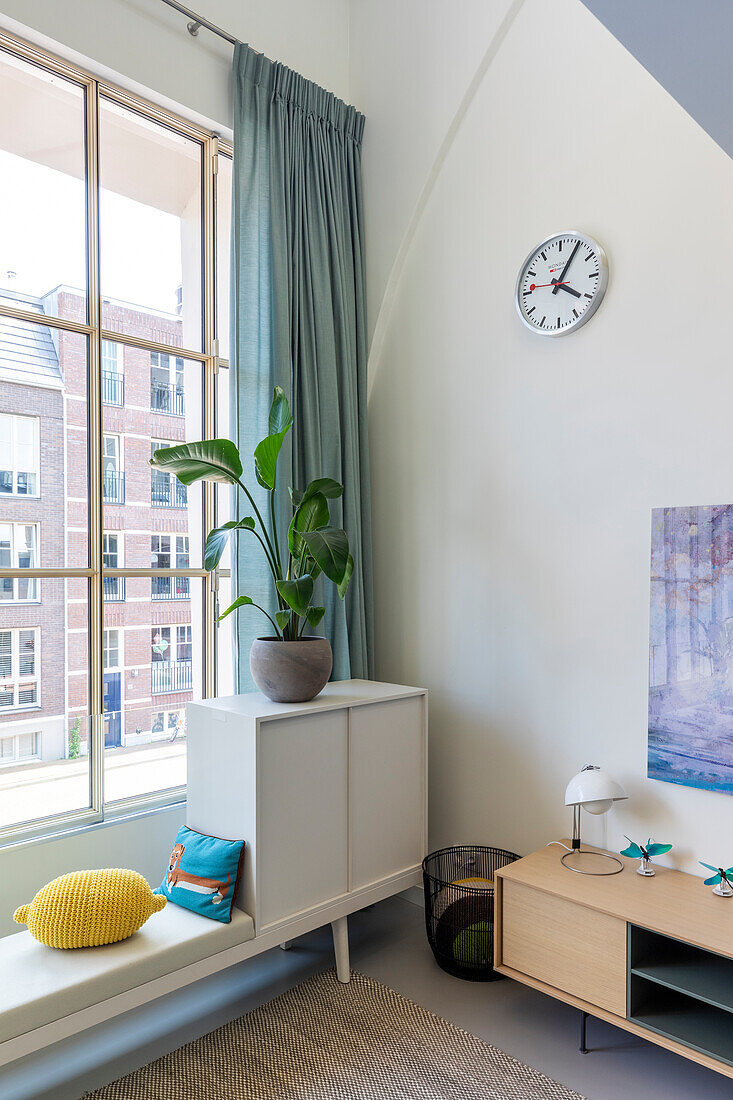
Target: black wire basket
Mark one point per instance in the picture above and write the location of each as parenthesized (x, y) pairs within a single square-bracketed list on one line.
[(459, 908)]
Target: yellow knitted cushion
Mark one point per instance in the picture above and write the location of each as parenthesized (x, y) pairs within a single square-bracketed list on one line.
[(88, 908)]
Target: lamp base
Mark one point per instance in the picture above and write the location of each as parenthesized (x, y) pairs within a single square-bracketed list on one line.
[(591, 863)]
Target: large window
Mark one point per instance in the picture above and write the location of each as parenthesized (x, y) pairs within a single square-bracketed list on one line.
[(101, 558)]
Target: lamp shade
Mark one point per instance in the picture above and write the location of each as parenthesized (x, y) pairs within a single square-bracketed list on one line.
[(594, 790)]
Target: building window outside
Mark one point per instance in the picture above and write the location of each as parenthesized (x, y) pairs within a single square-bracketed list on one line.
[(113, 479), (169, 552), (171, 663), (113, 379), (19, 455), (19, 669), (166, 491), (20, 748), (168, 725), (166, 383), (19, 550), (113, 587), (111, 649)]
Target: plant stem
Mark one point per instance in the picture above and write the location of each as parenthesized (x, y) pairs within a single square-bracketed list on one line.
[(277, 629), (267, 553), (272, 557), (305, 621), (273, 521)]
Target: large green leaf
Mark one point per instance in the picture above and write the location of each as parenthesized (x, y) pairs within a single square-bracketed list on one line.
[(266, 453), (325, 485), (297, 594), (211, 459), (344, 582), (311, 514), (266, 456), (241, 601), (329, 547), (315, 614), (217, 539), (280, 418)]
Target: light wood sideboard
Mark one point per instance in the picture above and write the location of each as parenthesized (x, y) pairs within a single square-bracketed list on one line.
[(652, 955)]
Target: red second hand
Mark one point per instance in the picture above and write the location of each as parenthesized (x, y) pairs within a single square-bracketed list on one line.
[(534, 286)]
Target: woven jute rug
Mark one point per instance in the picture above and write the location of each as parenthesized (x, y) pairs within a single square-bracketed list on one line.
[(328, 1041)]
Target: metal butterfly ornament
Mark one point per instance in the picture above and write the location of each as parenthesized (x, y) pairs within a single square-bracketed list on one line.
[(722, 880), (644, 853)]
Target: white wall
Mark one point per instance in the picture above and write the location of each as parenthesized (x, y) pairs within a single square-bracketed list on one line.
[(146, 43), (514, 475), (147, 46)]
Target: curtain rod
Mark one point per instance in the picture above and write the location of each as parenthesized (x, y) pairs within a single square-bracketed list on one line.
[(197, 21)]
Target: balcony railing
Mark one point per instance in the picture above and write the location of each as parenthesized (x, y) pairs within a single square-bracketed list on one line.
[(113, 488), (168, 676), (113, 589), (167, 492), (166, 397), (170, 588), (113, 388)]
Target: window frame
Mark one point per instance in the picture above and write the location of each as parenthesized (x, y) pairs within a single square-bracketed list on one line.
[(92, 328)]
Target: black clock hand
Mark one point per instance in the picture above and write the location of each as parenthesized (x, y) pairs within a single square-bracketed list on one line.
[(567, 265), (564, 286)]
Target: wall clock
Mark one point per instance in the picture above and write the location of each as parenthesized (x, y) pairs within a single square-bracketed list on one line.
[(561, 283)]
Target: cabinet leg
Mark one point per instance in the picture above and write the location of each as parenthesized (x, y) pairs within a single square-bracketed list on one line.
[(286, 946), (340, 929), (583, 1022)]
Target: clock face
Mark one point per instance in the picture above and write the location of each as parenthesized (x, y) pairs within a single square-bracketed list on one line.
[(561, 284)]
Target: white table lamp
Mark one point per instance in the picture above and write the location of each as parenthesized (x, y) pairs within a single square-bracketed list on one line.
[(595, 791)]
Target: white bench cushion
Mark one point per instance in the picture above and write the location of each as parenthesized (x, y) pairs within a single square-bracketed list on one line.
[(41, 984)]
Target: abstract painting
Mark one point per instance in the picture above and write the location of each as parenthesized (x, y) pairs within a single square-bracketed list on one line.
[(691, 647)]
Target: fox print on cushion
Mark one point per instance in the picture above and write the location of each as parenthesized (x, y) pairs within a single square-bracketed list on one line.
[(203, 874), (89, 908)]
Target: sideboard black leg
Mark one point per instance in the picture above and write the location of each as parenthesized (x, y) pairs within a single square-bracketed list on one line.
[(583, 1021)]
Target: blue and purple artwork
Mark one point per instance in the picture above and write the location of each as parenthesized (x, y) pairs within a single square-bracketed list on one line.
[(691, 647)]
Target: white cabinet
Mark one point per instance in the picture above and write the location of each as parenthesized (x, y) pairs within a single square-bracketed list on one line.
[(386, 789), (330, 796)]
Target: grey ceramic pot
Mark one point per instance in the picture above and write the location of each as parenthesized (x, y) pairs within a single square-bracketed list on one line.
[(291, 672)]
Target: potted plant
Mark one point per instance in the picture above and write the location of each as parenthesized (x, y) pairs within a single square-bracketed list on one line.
[(288, 666)]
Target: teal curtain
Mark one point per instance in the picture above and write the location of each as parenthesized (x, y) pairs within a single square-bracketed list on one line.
[(299, 321)]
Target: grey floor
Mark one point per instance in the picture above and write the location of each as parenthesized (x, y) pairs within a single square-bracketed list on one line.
[(387, 942)]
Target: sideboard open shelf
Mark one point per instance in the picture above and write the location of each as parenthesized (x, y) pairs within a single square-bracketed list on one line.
[(682, 992), (653, 956)]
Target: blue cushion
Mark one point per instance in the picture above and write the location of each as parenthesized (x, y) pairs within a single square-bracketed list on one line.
[(203, 874)]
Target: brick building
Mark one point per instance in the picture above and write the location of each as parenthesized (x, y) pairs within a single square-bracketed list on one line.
[(149, 400)]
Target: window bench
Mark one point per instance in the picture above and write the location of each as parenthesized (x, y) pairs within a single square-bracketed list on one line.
[(330, 799)]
